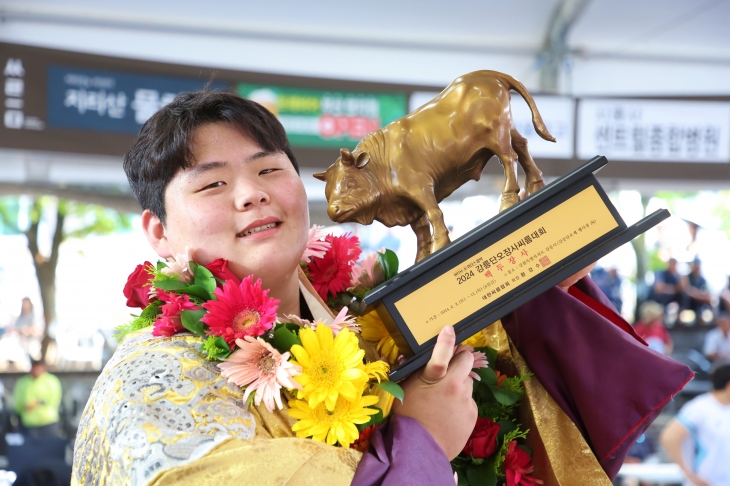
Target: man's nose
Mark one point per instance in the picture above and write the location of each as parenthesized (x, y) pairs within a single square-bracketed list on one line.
[(250, 196)]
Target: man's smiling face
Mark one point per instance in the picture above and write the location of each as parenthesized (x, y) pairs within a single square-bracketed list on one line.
[(237, 202)]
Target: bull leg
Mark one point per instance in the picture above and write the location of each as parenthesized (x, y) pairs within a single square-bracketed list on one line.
[(511, 189), (533, 175), (423, 235), (429, 204)]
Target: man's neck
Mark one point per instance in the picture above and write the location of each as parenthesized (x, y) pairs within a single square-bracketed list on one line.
[(288, 293), (722, 396)]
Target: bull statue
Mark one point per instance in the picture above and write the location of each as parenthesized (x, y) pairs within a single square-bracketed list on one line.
[(398, 174)]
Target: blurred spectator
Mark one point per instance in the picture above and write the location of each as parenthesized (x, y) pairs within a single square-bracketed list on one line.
[(37, 397), (705, 420), (724, 305), (669, 286), (25, 326), (651, 327), (717, 341), (610, 284), (699, 296)]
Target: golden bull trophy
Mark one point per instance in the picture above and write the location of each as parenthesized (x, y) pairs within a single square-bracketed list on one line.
[(398, 175)]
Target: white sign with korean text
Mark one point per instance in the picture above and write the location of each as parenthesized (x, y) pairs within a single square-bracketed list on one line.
[(654, 130), (557, 112)]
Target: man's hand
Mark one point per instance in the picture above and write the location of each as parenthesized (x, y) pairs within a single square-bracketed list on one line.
[(565, 284), (439, 395)]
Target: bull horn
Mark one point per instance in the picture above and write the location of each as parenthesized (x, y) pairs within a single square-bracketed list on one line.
[(322, 176), (362, 159), (346, 156)]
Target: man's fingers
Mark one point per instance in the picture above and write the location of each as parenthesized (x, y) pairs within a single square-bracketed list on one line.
[(436, 367), (461, 365)]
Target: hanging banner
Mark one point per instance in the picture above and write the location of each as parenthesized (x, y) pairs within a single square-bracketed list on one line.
[(558, 113), (319, 118), (654, 130), (108, 101)]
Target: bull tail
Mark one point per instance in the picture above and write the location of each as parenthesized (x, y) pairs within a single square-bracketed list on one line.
[(537, 122)]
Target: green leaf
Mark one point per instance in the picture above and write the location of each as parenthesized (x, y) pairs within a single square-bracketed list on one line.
[(171, 285), (505, 397), (216, 348), (487, 375), (483, 474), (193, 267), (205, 279), (285, 336), (389, 262), (195, 291), (191, 321), (505, 427), (392, 388), (376, 419), (161, 265)]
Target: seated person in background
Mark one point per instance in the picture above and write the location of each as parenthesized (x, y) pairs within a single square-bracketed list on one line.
[(669, 286), (724, 305), (651, 327), (37, 397), (699, 296), (717, 341), (610, 284), (705, 420)]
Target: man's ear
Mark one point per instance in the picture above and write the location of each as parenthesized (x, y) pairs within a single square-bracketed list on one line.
[(156, 234)]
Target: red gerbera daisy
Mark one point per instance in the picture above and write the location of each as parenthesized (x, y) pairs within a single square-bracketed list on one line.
[(517, 467), (241, 310), (331, 273)]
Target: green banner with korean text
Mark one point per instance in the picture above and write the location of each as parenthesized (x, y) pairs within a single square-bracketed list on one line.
[(319, 118)]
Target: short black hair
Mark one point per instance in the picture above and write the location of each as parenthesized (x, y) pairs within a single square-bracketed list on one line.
[(721, 377), (163, 145), (36, 362)]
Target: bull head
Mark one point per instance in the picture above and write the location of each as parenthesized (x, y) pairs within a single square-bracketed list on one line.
[(348, 160), (348, 189)]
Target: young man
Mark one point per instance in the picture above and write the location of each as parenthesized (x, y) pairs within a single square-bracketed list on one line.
[(216, 179), (37, 397), (706, 421)]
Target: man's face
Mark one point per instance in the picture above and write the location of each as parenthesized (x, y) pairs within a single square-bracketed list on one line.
[(37, 370), (672, 266), (724, 324), (240, 203)]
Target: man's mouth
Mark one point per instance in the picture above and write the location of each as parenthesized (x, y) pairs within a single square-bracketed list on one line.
[(257, 229)]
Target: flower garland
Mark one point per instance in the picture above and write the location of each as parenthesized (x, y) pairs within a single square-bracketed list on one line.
[(339, 396)]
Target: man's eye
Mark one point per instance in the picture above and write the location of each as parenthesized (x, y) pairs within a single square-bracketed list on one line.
[(214, 185), (267, 171)]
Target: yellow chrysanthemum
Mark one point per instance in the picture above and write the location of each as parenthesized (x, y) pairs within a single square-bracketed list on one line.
[(478, 340), (331, 426), (377, 370), (372, 329), (385, 399), (331, 366)]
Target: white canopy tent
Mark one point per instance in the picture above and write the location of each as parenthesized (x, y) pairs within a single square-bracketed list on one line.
[(602, 47)]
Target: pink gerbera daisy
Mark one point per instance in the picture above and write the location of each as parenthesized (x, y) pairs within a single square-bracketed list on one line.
[(169, 323), (261, 369), (363, 273), (240, 310), (316, 245), (341, 321), (331, 273), (480, 361)]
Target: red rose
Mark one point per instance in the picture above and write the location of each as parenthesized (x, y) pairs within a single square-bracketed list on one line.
[(219, 269), (517, 467), (483, 440), (137, 288)]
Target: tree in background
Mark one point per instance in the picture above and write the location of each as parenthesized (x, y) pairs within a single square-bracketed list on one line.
[(69, 219)]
